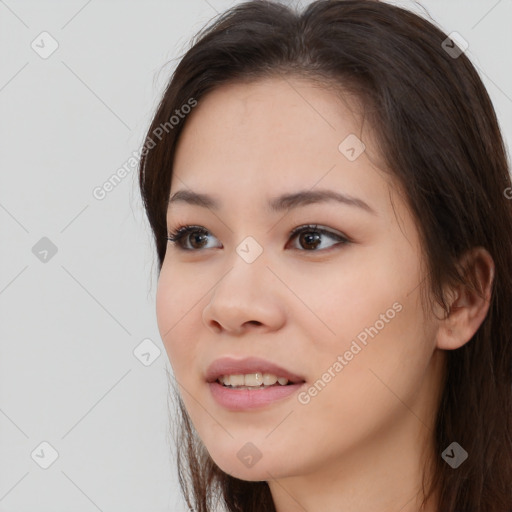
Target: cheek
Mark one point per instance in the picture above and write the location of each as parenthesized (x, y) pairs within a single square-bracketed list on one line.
[(165, 306), (386, 353), (376, 324), (176, 301), (345, 299), (375, 386)]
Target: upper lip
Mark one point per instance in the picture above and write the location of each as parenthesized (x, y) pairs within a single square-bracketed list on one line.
[(232, 366)]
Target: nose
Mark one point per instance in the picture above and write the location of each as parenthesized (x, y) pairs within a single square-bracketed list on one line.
[(247, 297)]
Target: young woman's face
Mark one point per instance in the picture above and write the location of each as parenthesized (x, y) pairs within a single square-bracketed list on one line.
[(344, 317)]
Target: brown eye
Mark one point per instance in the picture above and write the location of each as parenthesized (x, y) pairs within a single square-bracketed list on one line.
[(311, 237), (194, 235)]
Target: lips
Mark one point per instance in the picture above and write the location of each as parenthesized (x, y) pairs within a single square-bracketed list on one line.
[(231, 366)]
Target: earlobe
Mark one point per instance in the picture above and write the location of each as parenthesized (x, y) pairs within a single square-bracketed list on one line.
[(468, 306)]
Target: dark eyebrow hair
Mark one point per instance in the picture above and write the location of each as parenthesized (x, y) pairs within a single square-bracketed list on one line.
[(277, 204)]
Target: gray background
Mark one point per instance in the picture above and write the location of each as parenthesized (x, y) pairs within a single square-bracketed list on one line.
[(70, 321)]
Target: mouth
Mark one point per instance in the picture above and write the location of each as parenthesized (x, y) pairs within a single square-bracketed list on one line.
[(257, 380), (250, 373), (250, 383)]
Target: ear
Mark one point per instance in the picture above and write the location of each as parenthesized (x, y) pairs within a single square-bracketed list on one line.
[(468, 307)]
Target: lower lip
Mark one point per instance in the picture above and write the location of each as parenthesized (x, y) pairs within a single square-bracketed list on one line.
[(240, 399)]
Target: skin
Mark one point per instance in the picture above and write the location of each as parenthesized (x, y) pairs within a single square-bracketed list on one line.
[(360, 443)]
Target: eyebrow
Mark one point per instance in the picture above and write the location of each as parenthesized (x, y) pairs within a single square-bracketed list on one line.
[(277, 204)]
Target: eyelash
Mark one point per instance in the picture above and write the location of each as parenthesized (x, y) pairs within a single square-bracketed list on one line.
[(181, 232)]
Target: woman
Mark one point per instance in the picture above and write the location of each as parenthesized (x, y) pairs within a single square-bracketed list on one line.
[(328, 196)]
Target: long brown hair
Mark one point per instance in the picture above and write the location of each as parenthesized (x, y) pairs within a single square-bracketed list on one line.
[(438, 134)]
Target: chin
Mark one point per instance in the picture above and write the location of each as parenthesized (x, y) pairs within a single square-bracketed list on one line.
[(265, 468), (257, 473)]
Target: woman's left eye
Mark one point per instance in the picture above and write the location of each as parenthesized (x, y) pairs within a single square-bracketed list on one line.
[(310, 235)]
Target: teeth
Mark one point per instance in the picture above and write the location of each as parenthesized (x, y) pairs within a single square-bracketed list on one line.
[(269, 379), (252, 380), (237, 380)]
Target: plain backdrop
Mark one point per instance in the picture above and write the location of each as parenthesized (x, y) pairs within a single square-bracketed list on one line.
[(83, 386)]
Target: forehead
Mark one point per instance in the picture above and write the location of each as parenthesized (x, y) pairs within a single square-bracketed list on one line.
[(259, 139), (273, 112)]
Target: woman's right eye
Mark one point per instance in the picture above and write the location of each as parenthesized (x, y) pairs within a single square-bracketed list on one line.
[(181, 235)]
